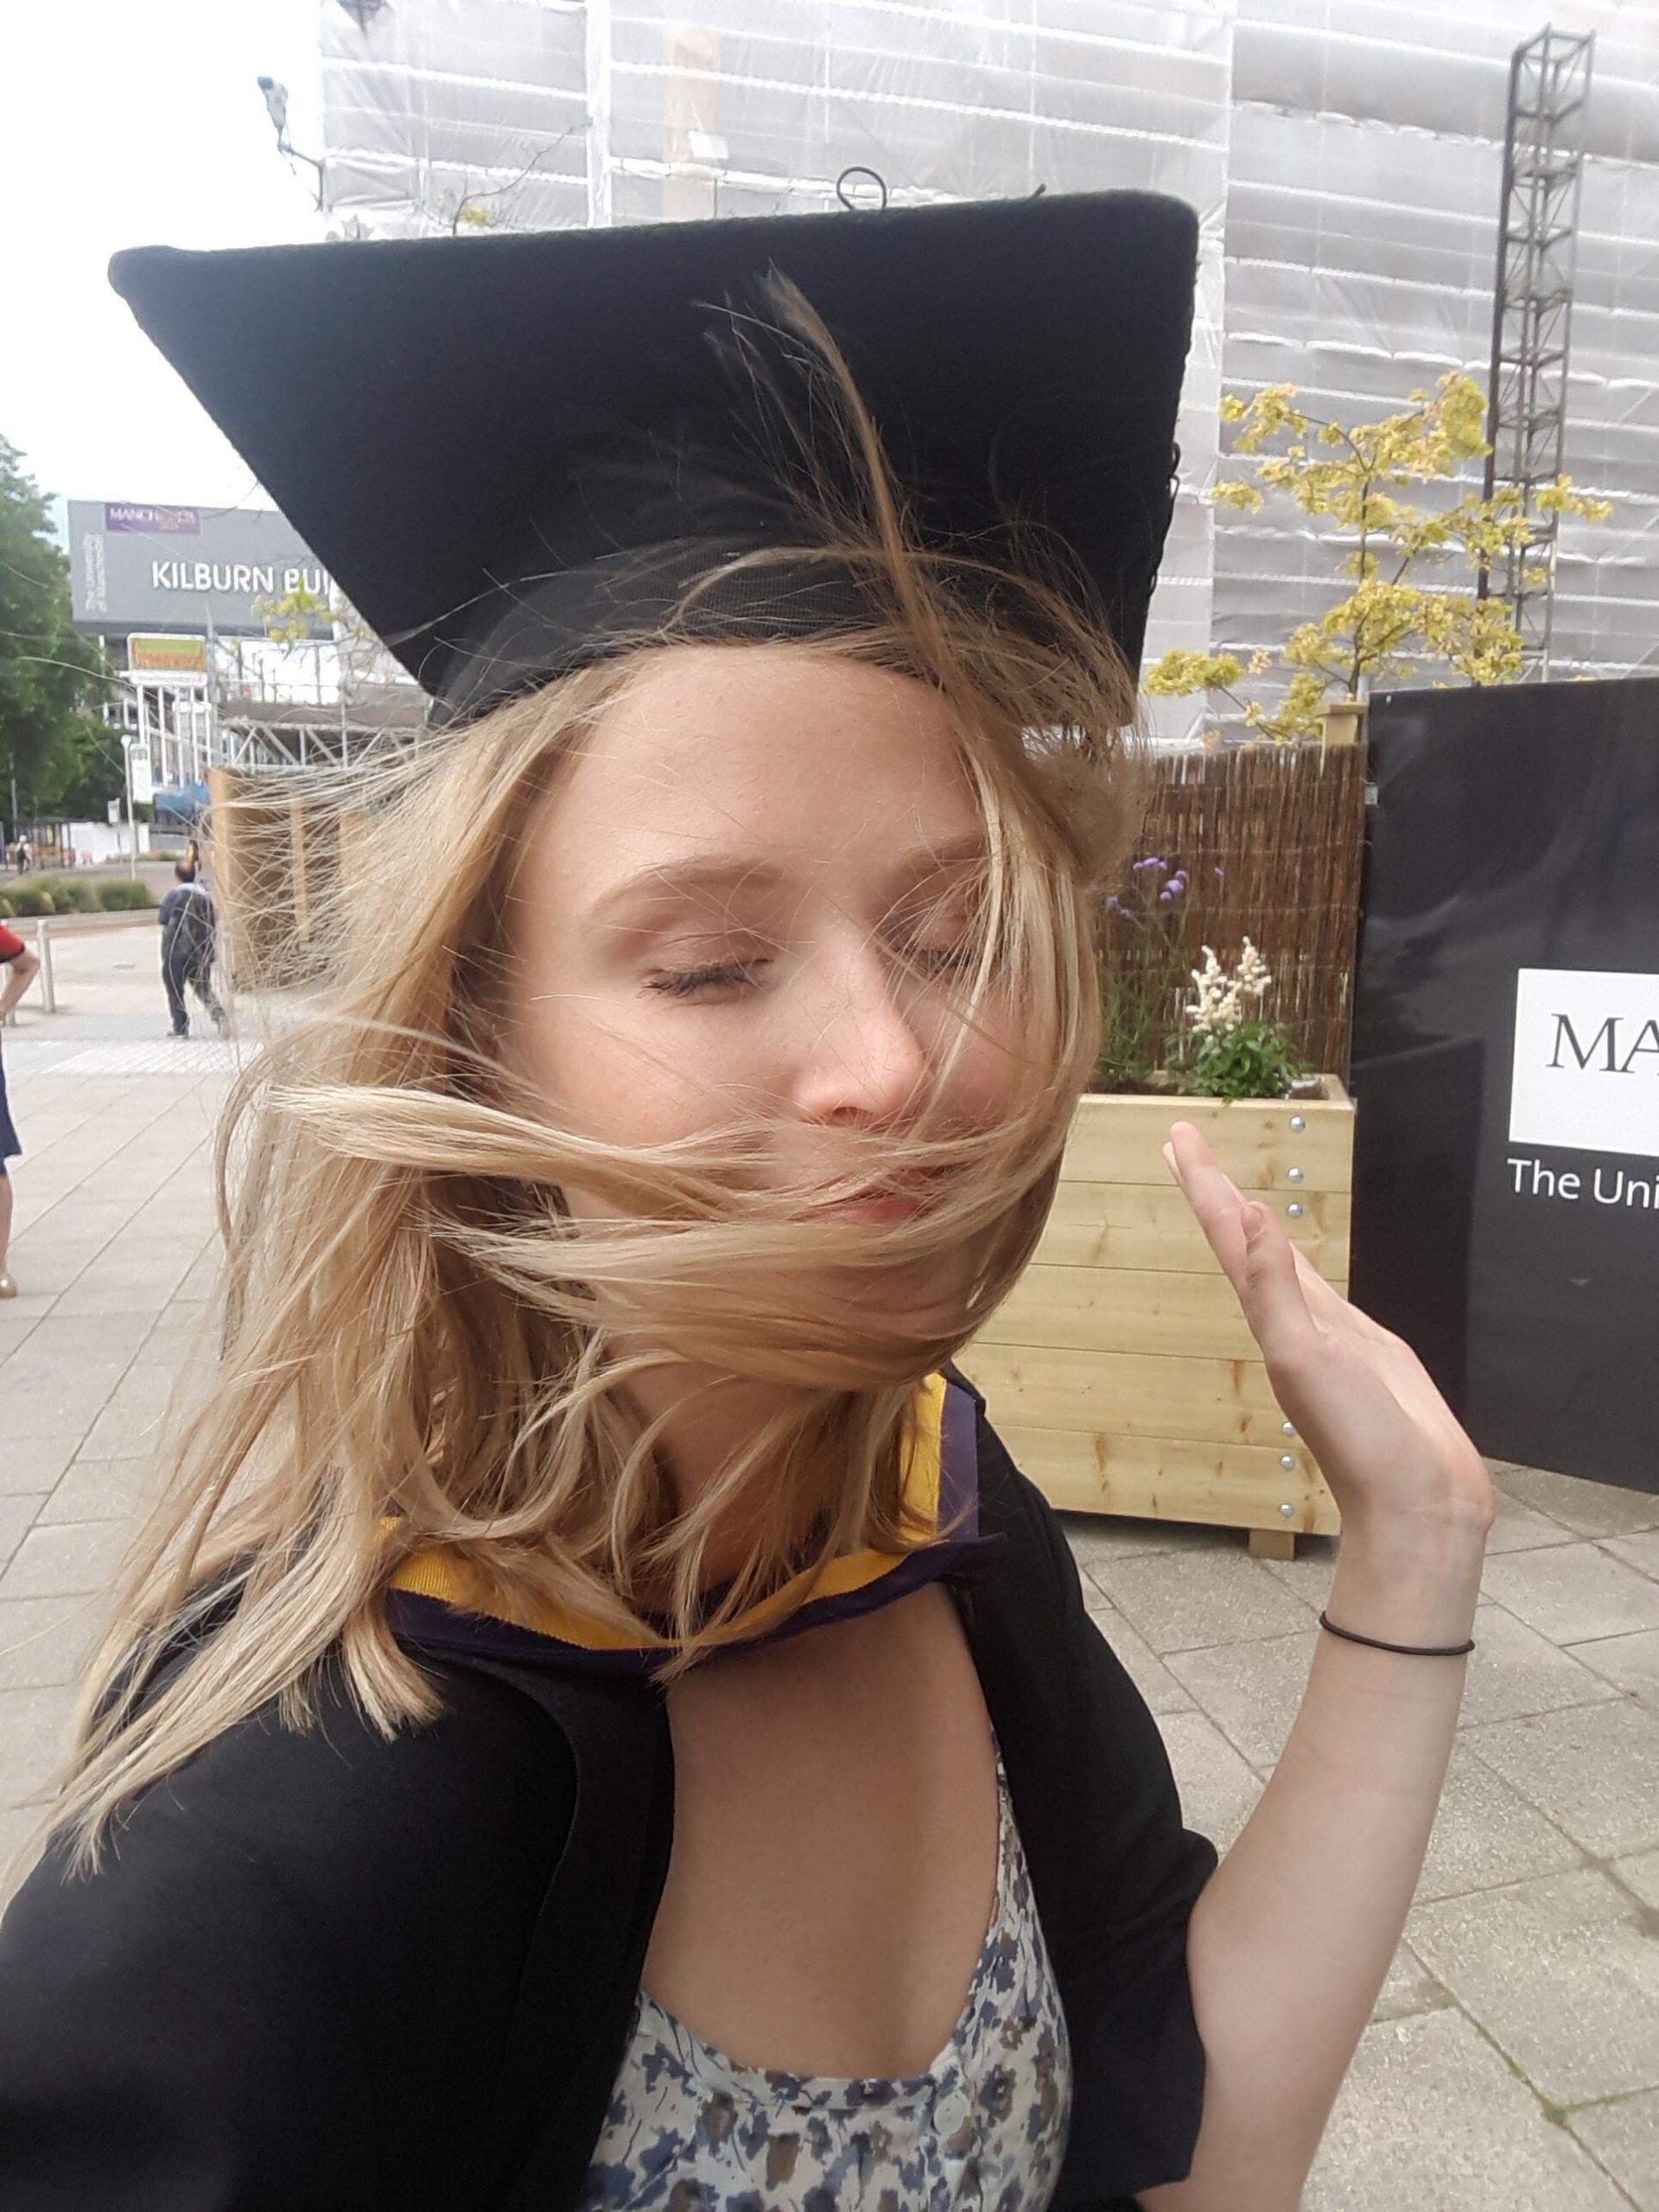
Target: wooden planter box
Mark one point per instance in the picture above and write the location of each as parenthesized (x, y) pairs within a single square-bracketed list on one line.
[(1119, 1371)]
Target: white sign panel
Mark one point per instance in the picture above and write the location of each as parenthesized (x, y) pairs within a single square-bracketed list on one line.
[(142, 776), (1586, 1060)]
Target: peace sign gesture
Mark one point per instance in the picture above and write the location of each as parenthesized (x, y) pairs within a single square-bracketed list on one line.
[(1386, 1441)]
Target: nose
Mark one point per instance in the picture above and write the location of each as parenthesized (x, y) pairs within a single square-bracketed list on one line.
[(861, 1059)]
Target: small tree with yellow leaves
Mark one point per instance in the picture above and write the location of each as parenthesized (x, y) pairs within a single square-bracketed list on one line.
[(1356, 477)]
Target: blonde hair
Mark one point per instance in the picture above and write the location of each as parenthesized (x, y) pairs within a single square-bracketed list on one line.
[(422, 1347)]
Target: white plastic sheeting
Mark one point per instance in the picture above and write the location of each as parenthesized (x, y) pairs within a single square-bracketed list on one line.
[(1344, 160), (1362, 238)]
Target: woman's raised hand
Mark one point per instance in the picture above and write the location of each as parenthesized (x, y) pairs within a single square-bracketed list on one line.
[(1386, 1441)]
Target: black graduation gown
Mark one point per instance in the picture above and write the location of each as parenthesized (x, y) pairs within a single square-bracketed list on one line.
[(324, 1973)]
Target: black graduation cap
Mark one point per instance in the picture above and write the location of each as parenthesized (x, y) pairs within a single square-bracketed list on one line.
[(510, 451)]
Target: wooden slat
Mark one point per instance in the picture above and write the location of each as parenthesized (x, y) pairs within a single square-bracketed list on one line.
[(1173, 1478), (1138, 1225), (1120, 1393), (1118, 1309), (1120, 1139)]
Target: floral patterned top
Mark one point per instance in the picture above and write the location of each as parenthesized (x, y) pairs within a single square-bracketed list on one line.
[(690, 2130)]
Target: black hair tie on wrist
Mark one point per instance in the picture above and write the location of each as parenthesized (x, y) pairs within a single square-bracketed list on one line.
[(1410, 1650)]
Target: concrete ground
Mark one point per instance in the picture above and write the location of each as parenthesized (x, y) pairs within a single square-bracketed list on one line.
[(1513, 2062)]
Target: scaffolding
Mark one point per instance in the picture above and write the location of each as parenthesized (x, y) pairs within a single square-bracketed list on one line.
[(1344, 156), (1532, 315)]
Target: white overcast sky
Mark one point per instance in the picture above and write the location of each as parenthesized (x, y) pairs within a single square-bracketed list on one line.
[(134, 122)]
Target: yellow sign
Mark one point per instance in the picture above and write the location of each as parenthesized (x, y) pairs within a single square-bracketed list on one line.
[(155, 655)]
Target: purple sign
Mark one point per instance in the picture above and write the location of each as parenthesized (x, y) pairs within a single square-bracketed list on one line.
[(170, 522)]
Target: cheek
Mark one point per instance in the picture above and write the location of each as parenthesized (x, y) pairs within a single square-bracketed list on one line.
[(984, 1085), (629, 1069)]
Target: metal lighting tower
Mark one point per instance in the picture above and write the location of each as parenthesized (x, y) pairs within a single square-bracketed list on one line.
[(1543, 165)]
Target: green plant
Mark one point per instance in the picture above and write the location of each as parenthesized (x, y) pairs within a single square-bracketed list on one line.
[(69, 894), (118, 894), (1143, 960), (1232, 1053), (1252, 1060), (32, 899), (1355, 478), (57, 755)]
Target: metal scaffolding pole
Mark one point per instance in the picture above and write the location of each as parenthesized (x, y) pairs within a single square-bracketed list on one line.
[(1532, 314)]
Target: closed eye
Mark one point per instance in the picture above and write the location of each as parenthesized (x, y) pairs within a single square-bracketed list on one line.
[(713, 981)]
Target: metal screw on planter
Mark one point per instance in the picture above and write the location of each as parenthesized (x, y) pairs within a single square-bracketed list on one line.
[(1295, 1211), (1298, 1122), (1296, 1174), (1288, 1427), (1289, 1512), (1288, 1462)]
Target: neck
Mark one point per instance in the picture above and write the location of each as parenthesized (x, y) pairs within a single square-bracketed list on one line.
[(709, 1419)]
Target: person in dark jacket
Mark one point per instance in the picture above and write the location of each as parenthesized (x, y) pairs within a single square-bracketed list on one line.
[(189, 928), (599, 1719)]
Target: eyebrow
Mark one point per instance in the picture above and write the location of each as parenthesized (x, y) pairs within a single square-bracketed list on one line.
[(710, 874)]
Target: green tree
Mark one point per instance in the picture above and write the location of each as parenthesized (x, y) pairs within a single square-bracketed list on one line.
[(1361, 479), (63, 756)]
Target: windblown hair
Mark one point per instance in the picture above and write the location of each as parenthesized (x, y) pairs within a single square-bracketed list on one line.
[(422, 1347)]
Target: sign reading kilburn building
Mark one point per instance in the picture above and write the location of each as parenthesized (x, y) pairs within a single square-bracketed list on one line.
[(135, 567), (1506, 1064)]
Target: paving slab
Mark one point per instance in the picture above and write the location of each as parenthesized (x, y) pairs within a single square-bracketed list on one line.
[(1252, 1691), (1178, 1602), (1118, 1536), (64, 1558), (1430, 2119), (1218, 1791), (1574, 1593), (1309, 1575), (34, 1729), (1624, 2136), (1514, 1669), (1519, 1528), (1162, 1693), (44, 1641), (1588, 1509), (1594, 1770), (17, 1513), (1562, 1972), (1409, 1988), (1640, 1552), (1630, 1663), (1487, 1833), (99, 1490), (31, 1463), (1640, 1875)]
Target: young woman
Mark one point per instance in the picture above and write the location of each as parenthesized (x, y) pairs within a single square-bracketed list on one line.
[(601, 1722)]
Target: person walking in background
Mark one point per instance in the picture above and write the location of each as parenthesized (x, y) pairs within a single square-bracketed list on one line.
[(20, 967), (188, 926)]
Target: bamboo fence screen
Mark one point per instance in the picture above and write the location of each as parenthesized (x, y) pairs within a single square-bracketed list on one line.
[(1285, 825)]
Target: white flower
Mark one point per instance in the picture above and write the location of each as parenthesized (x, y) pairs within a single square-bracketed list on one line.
[(1221, 1001)]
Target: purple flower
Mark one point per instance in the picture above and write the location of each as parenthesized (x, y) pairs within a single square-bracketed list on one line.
[(1135, 867), (1166, 897), (1221, 871)]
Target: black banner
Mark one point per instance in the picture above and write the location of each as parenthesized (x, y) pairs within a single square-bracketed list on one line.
[(1506, 1064)]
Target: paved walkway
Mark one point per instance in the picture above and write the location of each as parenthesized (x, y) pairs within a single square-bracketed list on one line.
[(1513, 2064)]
